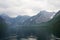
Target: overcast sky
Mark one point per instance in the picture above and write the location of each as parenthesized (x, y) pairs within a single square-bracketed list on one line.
[(27, 7)]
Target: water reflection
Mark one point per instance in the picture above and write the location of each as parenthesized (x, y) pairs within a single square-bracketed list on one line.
[(28, 39), (15, 38), (23, 39)]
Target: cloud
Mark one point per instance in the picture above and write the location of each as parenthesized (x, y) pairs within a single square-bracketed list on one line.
[(53, 5), (27, 7)]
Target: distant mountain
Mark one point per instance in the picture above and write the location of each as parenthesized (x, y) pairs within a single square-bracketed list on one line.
[(14, 21), (42, 16), (19, 20)]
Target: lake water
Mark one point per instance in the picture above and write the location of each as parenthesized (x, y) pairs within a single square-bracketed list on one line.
[(24, 39), (15, 38)]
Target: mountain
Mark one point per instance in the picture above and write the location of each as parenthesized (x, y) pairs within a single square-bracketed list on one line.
[(42, 16), (14, 21), (40, 24), (19, 20), (55, 24), (6, 18)]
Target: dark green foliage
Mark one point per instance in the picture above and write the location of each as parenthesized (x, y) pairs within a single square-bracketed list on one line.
[(55, 24), (2, 28)]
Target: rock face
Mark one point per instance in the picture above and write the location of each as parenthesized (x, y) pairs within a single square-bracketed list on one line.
[(42, 16)]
